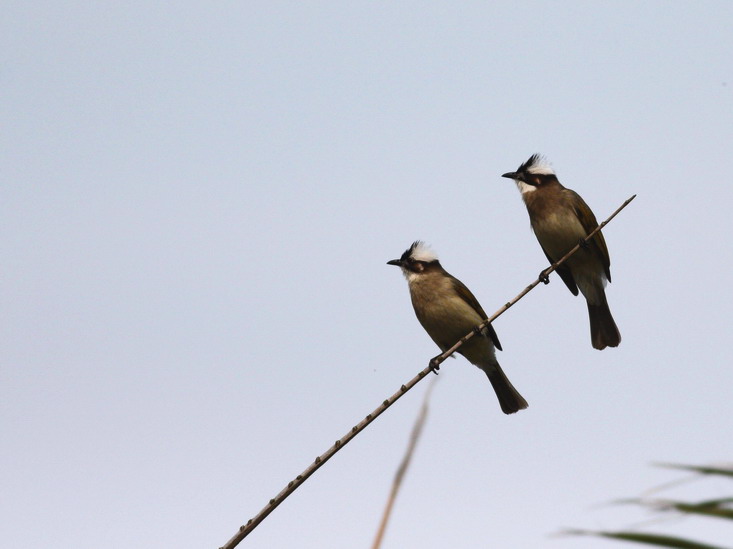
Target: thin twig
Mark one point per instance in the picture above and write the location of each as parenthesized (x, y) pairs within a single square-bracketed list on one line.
[(404, 464), (434, 363)]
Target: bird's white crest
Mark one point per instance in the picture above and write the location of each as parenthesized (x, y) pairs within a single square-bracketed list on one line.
[(422, 252), (540, 166)]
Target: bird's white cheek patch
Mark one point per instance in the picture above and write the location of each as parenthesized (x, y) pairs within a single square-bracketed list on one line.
[(524, 188)]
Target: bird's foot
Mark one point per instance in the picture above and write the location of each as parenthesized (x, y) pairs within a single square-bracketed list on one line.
[(434, 365), (584, 244), (544, 277)]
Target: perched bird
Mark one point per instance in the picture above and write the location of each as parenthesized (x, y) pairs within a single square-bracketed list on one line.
[(448, 311), (560, 219)]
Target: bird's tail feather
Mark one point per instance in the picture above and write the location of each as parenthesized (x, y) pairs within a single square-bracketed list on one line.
[(509, 398), (603, 330)]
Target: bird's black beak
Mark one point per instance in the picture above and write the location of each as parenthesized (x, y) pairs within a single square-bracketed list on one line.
[(511, 175), (395, 262)]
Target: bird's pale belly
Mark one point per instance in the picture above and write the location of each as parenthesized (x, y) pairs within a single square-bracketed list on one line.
[(449, 322), (558, 234)]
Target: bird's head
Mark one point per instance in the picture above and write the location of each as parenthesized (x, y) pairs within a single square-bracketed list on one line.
[(533, 174), (417, 259)]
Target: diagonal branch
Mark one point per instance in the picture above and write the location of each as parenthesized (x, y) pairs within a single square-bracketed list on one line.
[(252, 523)]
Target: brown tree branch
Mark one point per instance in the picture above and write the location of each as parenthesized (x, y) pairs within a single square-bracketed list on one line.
[(434, 363)]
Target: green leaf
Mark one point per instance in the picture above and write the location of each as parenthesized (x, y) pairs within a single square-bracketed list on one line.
[(718, 508), (650, 539), (715, 508), (722, 471)]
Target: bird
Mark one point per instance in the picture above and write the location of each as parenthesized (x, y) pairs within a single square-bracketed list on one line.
[(560, 219), (447, 310)]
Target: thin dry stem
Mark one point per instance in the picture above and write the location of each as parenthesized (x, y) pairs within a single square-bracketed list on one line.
[(434, 363), (402, 469)]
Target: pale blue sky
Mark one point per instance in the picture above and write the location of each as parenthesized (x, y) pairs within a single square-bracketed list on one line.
[(197, 204)]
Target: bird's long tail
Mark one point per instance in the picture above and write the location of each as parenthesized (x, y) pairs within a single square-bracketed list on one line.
[(603, 330), (509, 398)]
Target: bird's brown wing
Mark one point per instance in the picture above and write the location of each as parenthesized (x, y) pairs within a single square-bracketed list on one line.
[(469, 298), (598, 243)]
